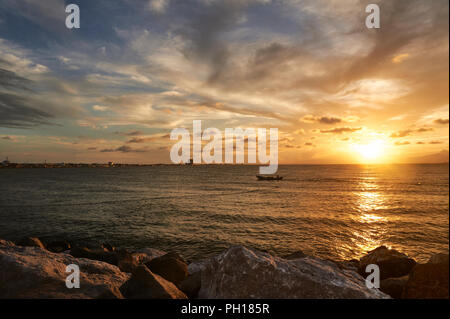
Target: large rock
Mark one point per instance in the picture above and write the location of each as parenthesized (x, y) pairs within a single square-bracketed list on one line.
[(6, 243), (126, 261), (429, 281), (145, 255), (438, 259), (122, 258), (191, 285), (58, 246), (391, 262), (30, 242), (99, 254), (297, 255), (244, 273), (198, 265), (108, 247), (394, 286), (32, 272), (171, 267), (352, 264), (144, 284)]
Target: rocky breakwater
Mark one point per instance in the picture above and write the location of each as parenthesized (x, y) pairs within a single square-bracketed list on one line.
[(403, 278), (32, 271), (240, 272)]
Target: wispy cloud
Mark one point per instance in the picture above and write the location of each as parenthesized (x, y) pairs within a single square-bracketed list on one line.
[(341, 130), (402, 143), (409, 132), (441, 121), (123, 149), (158, 6), (321, 119)]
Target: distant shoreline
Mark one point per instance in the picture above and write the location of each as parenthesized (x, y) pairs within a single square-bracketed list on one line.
[(114, 165), (73, 165)]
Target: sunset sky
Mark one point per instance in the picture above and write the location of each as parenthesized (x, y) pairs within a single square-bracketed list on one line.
[(115, 88)]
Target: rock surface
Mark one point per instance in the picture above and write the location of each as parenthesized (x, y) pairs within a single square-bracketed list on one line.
[(58, 246), (30, 242), (394, 286), (6, 243), (191, 285), (438, 259), (297, 255), (99, 254), (352, 264), (108, 247), (122, 258), (244, 273), (145, 255), (171, 267), (429, 281), (33, 272), (197, 266), (391, 262), (126, 261), (144, 284)]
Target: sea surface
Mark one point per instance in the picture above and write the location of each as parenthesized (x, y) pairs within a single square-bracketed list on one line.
[(331, 211)]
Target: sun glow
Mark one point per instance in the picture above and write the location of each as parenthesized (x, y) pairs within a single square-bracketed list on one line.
[(371, 151)]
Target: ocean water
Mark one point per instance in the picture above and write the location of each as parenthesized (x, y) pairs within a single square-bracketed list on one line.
[(331, 211)]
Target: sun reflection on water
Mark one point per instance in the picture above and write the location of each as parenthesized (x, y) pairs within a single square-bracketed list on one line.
[(372, 218), (369, 201)]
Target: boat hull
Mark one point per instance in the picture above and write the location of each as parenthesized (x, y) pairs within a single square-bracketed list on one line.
[(269, 178)]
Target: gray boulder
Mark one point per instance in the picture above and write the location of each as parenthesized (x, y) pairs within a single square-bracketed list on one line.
[(245, 273), (197, 266), (352, 264), (33, 272)]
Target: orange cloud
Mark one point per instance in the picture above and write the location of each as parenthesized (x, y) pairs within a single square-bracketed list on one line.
[(400, 58)]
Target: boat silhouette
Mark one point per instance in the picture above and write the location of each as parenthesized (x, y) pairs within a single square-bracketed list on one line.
[(269, 178)]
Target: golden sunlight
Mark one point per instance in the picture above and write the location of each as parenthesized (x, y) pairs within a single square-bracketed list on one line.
[(371, 151)]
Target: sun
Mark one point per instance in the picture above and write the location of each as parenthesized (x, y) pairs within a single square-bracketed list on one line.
[(371, 151)]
